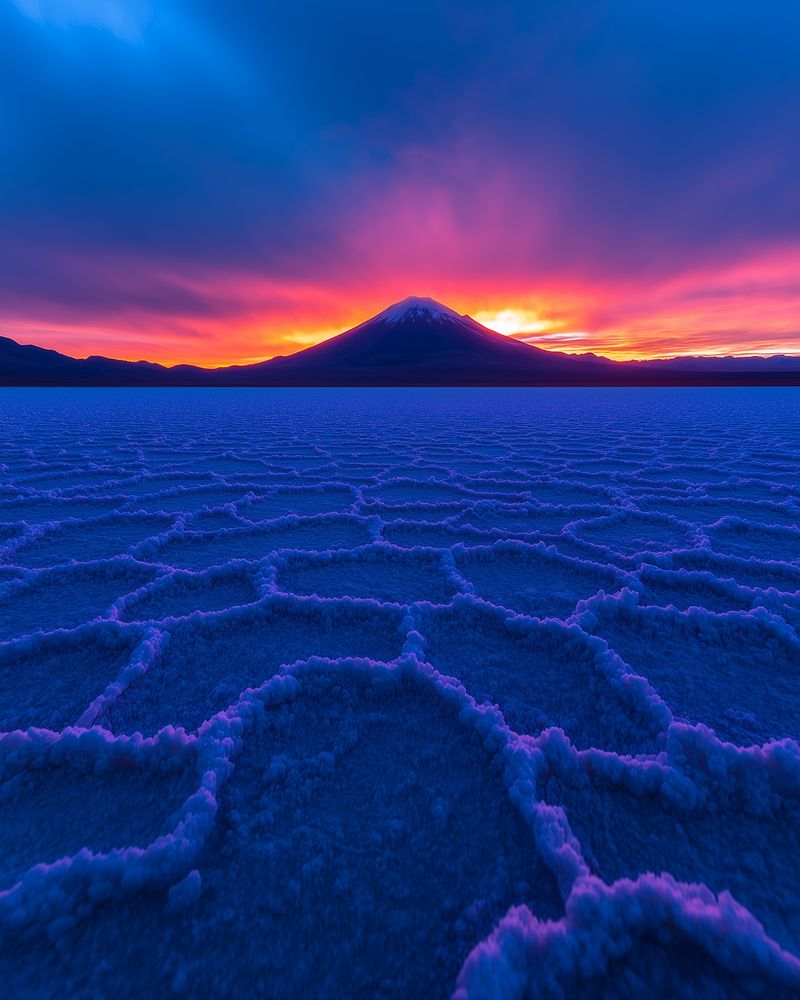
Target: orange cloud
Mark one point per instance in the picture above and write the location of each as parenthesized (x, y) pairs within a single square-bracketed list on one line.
[(745, 307)]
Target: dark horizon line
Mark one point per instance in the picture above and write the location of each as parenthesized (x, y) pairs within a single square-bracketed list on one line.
[(655, 360), (458, 359)]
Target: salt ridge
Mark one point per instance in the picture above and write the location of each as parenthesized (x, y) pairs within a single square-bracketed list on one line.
[(377, 577)]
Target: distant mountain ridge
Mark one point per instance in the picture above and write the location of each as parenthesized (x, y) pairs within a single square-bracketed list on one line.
[(414, 342)]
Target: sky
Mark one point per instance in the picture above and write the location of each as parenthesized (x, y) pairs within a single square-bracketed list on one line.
[(219, 182)]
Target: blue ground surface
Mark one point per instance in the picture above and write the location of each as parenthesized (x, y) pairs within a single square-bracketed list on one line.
[(486, 693)]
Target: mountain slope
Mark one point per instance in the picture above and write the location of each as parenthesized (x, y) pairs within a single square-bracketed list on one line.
[(28, 365), (414, 342), (420, 342)]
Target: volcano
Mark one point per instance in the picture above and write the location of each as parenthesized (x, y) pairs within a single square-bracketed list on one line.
[(415, 342), (420, 341)]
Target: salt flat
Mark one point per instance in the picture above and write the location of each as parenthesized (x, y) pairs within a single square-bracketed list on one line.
[(400, 692)]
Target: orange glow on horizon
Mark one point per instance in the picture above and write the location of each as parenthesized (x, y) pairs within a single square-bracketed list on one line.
[(749, 307)]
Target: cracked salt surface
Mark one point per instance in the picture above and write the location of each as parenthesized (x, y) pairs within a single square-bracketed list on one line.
[(485, 693)]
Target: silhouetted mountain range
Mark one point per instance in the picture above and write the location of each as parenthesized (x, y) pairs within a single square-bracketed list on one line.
[(415, 342)]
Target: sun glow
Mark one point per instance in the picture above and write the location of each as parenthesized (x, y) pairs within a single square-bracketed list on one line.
[(511, 322)]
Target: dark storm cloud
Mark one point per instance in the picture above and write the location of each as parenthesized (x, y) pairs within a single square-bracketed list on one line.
[(592, 141)]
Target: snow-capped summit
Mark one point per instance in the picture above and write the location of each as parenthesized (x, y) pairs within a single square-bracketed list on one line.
[(418, 308), (417, 341)]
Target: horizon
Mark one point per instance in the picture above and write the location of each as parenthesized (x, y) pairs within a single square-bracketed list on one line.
[(528, 339), (212, 186)]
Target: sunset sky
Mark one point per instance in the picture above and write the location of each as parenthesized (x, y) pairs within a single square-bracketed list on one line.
[(222, 182)]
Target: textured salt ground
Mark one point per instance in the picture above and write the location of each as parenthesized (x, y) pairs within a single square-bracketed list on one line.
[(531, 582), (202, 551), (629, 533), (187, 500), (756, 541), (540, 676), (82, 542), (380, 574), (60, 674), (683, 590), (299, 502), (737, 674), (181, 594), (56, 811), (725, 848), (207, 662), (341, 805), (40, 510), (66, 597), (403, 469)]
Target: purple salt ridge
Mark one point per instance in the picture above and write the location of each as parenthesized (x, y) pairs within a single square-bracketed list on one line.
[(786, 574), (560, 483), (378, 552), (34, 641), (761, 777), (633, 691), (767, 601), (452, 491), (142, 658), (627, 516), (149, 548), (482, 508), (587, 615), (733, 526), (616, 558), (556, 844), (177, 492), (778, 489), (604, 925), (757, 773), (243, 507), (390, 512), (554, 840), (648, 573), (276, 602), (446, 526), (53, 896), (48, 498), (46, 530), (113, 566), (454, 577), (787, 506), (29, 536), (46, 473), (178, 477), (539, 549), (320, 488), (168, 577)]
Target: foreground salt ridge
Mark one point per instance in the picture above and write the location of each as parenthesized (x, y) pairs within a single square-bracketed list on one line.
[(612, 559)]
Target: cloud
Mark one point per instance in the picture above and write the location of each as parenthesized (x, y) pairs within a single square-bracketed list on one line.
[(124, 18), (241, 169)]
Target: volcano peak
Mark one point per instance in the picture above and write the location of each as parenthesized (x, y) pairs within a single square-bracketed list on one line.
[(419, 308)]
